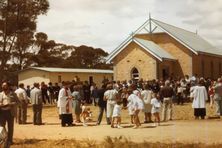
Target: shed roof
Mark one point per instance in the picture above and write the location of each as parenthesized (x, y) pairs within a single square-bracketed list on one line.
[(71, 70)]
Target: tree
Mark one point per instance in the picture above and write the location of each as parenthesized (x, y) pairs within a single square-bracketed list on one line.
[(47, 52), (17, 26), (21, 46), (40, 40), (86, 57), (22, 53)]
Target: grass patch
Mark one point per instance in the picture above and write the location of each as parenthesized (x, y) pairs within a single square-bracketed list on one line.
[(108, 142)]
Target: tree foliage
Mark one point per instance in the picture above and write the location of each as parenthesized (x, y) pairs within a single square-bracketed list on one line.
[(52, 54), (21, 46), (17, 26), (87, 57)]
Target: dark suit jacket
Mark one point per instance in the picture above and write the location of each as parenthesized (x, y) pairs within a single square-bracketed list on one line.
[(101, 102)]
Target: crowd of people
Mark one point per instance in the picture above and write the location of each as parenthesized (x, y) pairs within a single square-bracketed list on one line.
[(151, 98)]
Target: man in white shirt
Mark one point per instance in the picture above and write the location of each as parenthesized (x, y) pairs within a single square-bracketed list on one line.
[(146, 96), (111, 95), (36, 101), (22, 108), (8, 103)]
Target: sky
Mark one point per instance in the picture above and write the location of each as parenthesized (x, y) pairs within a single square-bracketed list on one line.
[(106, 23)]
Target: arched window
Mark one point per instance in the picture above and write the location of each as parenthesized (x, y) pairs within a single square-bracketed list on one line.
[(135, 74)]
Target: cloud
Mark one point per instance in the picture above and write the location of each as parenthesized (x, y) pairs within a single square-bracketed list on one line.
[(99, 23), (202, 15), (193, 21), (106, 23)]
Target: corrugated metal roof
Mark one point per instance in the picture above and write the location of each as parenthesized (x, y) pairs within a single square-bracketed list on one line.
[(154, 49), (68, 70), (190, 39)]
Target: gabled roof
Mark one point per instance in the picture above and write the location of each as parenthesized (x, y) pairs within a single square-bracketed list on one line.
[(153, 49), (189, 39), (70, 70), (149, 46)]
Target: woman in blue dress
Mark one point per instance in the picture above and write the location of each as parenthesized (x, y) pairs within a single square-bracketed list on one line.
[(76, 103)]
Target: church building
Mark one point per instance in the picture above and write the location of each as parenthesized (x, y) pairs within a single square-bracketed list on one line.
[(157, 50)]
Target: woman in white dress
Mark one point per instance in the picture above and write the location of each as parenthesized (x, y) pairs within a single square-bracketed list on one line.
[(116, 115), (137, 107), (130, 105), (156, 108)]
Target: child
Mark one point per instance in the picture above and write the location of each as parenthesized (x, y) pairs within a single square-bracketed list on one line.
[(156, 108), (86, 115), (137, 107), (116, 115)]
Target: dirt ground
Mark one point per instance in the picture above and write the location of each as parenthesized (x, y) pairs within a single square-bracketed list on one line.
[(182, 129)]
